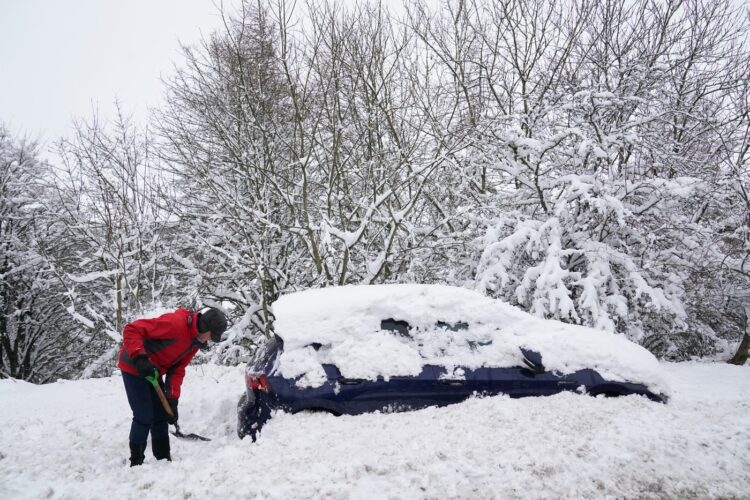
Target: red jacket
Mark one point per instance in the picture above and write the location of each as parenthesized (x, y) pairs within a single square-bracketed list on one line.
[(169, 341)]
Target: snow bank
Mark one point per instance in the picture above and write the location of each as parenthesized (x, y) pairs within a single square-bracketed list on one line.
[(346, 322)]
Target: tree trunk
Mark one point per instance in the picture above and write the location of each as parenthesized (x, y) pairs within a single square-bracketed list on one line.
[(740, 357)]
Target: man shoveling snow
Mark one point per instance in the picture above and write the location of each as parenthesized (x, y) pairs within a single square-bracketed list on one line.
[(150, 348)]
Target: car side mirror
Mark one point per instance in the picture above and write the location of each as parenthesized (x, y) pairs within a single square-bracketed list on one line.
[(532, 360)]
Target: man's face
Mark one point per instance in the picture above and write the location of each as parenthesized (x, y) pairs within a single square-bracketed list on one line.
[(204, 337)]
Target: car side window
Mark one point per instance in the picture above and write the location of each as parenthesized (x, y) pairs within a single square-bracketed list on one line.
[(454, 327), (400, 327)]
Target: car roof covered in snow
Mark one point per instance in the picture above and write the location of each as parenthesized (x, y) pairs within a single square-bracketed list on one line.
[(449, 326)]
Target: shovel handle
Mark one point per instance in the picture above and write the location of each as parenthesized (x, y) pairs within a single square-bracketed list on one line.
[(159, 392)]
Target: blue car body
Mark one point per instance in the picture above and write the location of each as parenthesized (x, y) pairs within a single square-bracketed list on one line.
[(267, 390)]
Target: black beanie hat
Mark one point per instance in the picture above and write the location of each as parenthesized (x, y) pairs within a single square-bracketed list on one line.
[(214, 321)]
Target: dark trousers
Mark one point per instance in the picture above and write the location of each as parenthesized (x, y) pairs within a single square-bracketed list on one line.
[(148, 413)]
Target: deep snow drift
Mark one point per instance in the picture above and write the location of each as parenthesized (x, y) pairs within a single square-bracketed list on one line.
[(69, 440)]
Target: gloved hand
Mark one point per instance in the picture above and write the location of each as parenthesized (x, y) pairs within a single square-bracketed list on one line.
[(144, 366), (173, 405)]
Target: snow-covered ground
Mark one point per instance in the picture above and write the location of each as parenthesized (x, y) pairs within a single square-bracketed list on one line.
[(69, 440)]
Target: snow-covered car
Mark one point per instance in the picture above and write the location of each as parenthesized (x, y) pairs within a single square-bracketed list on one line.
[(357, 349)]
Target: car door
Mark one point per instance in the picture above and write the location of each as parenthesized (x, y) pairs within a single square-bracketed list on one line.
[(457, 384), (355, 395), (521, 381)]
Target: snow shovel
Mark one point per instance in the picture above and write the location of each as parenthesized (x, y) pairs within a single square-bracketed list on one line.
[(154, 379)]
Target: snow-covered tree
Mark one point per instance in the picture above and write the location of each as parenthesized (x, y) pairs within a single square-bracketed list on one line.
[(599, 142), (114, 210), (225, 130), (302, 159), (36, 342)]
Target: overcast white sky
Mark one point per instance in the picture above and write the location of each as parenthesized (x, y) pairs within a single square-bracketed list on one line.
[(59, 59)]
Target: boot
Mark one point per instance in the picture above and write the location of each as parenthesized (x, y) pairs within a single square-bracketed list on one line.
[(160, 447), (137, 453)]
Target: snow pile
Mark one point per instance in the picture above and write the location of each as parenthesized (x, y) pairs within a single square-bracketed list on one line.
[(451, 327), (68, 440)]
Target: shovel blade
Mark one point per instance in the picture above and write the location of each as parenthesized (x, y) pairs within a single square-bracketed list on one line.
[(190, 437)]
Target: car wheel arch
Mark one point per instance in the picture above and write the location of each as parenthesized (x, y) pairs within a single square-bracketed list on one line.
[(318, 409), (608, 390)]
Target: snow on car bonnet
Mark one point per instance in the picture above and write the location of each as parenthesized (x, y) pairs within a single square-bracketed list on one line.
[(448, 326)]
